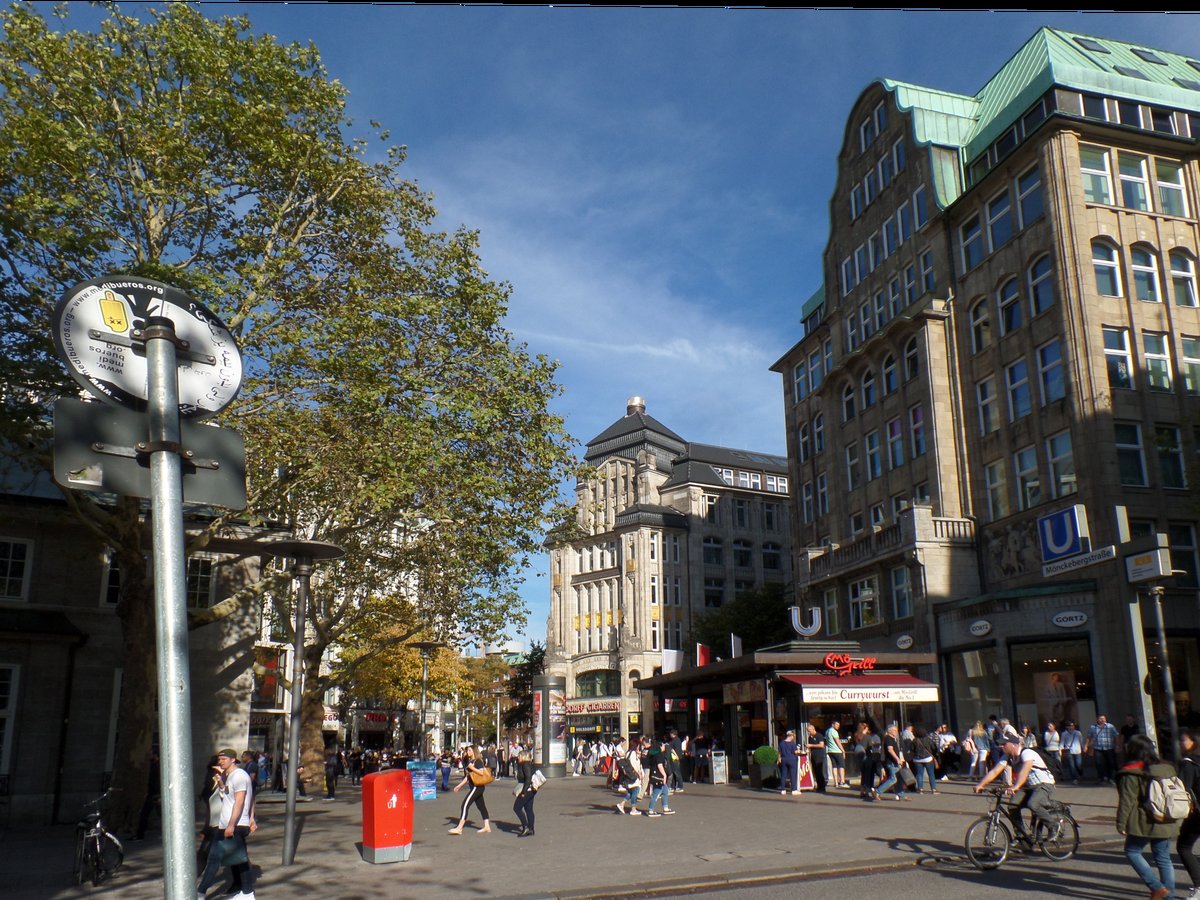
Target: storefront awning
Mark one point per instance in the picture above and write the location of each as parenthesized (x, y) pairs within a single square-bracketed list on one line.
[(875, 688)]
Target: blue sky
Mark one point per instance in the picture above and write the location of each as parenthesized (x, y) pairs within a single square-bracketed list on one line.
[(654, 183)]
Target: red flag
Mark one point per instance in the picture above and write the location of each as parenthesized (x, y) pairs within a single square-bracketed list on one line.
[(703, 655)]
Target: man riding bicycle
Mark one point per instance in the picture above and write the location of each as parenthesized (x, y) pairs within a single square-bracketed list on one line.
[(1032, 777)]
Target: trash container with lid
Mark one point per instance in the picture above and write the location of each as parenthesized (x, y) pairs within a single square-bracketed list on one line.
[(387, 816)]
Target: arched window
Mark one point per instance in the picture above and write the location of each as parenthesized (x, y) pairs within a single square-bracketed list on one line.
[(981, 326), (1107, 267), (1041, 285), (1183, 278), (1009, 300), (1144, 263), (891, 380), (848, 403), (912, 360), (868, 390)]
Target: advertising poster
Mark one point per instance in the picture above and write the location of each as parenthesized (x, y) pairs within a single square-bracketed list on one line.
[(1055, 693), (424, 779), (558, 727), (538, 758), (804, 773)]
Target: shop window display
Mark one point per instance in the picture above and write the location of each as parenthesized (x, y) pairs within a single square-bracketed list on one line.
[(1052, 682)]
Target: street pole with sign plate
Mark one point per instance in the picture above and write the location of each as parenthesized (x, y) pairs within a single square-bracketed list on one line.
[(148, 347)]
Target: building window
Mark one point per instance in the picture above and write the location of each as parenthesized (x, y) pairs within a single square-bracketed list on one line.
[(677, 587), (874, 459), (891, 381), (1135, 188), (726, 475), (654, 590), (1170, 456), (803, 447), (711, 510), (818, 425), (741, 514), (799, 383), (1062, 464), (713, 552), (864, 604), (743, 554), (1107, 268), (910, 285), (971, 239), (853, 470), (895, 441), (848, 281), (877, 515), (1041, 285), (110, 595), (981, 326), (1183, 278), (714, 592), (920, 209), (904, 214), (1158, 360), (997, 495), (866, 323), (1190, 363), (200, 582), (15, 568), (891, 237), (831, 611), (848, 403), (8, 716), (928, 275), (1000, 223), (1097, 181), (1020, 403), (815, 374), (772, 557), (895, 297), (1029, 489), (868, 390), (1117, 358), (1050, 372), (1009, 299), (916, 430), (1130, 461), (771, 514), (1172, 198), (985, 394), (912, 360), (653, 548), (1145, 275), (806, 501), (822, 495), (749, 480), (901, 593), (857, 524), (1181, 538), (1029, 195)]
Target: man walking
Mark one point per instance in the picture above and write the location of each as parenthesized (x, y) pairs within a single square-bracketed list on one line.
[(1102, 746), (235, 824)]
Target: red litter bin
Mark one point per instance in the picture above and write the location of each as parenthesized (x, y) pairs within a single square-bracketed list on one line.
[(387, 816)]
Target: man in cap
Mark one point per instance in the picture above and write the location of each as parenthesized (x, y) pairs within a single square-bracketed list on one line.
[(1032, 777), (236, 822)]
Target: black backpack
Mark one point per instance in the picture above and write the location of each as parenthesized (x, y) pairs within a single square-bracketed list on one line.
[(628, 772)]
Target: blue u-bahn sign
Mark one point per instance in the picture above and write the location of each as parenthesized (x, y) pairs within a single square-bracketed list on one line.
[(1064, 534)]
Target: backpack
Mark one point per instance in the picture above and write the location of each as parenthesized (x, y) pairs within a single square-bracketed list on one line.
[(628, 773), (1167, 800)]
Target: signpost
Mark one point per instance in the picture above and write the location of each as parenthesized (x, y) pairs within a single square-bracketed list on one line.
[(148, 348)]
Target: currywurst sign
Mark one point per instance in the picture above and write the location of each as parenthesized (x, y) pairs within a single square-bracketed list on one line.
[(98, 332)]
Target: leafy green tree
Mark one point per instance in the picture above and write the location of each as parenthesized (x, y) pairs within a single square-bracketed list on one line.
[(385, 407), (759, 617), (519, 716)]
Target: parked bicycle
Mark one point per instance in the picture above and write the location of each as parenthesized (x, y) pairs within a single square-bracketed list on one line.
[(98, 853), (990, 838)]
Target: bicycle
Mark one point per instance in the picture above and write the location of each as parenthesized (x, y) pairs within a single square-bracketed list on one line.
[(990, 837), (98, 853)]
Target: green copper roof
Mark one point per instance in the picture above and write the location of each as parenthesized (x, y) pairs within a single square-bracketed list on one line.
[(811, 304)]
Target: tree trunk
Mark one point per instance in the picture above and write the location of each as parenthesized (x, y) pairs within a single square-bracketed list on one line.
[(312, 716)]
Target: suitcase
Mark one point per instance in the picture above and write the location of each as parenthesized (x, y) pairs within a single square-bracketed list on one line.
[(907, 778)]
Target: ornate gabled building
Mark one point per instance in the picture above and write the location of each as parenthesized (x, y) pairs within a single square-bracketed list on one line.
[(664, 530), (996, 393)]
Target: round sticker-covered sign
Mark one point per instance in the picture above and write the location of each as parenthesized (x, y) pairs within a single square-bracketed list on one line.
[(97, 332)]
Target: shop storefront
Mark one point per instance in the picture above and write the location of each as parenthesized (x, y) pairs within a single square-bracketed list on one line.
[(594, 717)]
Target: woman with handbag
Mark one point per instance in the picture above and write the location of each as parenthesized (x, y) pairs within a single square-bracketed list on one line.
[(528, 782), (476, 775)]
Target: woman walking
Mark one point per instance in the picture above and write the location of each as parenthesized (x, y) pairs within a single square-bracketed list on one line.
[(1133, 821), (523, 805), (1189, 772), (923, 758), (789, 763), (473, 771), (979, 755)]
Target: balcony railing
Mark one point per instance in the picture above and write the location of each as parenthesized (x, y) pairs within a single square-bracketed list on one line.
[(891, 541)]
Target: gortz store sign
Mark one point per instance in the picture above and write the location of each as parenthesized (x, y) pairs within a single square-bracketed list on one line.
[(591, 707), (842, 664)]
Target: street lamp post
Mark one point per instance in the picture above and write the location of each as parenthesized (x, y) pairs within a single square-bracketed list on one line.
[(1168, 682), (426, 648), (499, 693), (305, 553)]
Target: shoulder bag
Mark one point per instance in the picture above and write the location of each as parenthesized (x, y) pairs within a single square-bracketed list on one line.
[(480, 777)]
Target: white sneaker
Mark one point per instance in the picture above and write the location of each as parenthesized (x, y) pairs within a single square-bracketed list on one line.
[(635, 812)]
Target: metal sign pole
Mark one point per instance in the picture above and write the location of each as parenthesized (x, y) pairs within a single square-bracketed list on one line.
[(170, 605), (303, 570)]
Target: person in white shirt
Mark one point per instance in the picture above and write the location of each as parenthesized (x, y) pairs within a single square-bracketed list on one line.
[(236, 822), (1032, 777)]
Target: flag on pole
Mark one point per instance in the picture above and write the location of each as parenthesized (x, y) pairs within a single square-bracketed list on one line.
[(672, 661), (703, 654), (735, 646)]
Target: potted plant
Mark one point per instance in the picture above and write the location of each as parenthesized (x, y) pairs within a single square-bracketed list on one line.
[(764, 771)]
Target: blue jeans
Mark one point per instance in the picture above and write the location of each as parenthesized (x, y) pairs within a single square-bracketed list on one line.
[(657, 792), (924, 768), (893, 772), (1074, 766), (1160, 849)]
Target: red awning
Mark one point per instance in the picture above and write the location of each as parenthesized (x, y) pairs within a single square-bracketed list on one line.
[(874, 688)]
